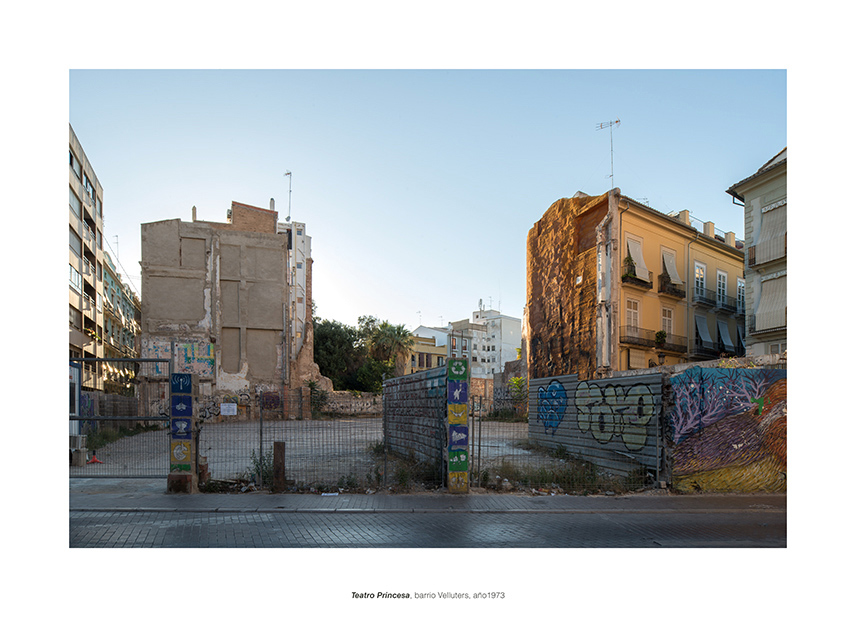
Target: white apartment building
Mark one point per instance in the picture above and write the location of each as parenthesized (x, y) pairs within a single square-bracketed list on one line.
[(488, 341)]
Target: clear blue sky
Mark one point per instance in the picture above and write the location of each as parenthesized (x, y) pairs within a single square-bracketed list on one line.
[(418, 187)]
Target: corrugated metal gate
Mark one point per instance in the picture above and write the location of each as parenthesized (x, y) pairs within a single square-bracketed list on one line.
[(614, 423)]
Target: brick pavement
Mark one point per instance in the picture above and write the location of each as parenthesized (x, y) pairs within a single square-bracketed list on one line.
[(138, 513)]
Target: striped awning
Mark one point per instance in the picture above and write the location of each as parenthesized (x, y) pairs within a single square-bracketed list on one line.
[(774, 223), (740, 337), (772, 309), (638, 359), (703, 332), (724, 335), (635, 249), (672, 268)]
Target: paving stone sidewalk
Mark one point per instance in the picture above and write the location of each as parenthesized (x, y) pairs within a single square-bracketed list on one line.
[(123, 494)]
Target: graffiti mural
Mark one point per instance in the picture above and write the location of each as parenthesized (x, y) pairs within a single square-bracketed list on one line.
[(613, 410), (729, 428), (614, 423)]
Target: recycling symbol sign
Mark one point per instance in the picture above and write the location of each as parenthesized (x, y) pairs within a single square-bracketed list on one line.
[(457, 369)]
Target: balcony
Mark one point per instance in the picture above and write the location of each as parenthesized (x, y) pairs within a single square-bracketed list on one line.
[(706, 297), (726, 304), (648, 338), (630, 278), (669, 288)]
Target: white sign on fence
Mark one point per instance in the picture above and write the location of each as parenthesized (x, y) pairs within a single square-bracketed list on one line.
[(228, 409)]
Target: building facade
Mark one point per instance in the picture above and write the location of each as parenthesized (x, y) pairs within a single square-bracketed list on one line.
[(613, 285), (221, 299), (425, 354), (764, 197), (85, 262)]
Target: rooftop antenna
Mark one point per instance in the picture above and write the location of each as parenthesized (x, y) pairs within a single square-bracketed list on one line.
[(603, 125), (117, 247), (419, 313), (288, 173)]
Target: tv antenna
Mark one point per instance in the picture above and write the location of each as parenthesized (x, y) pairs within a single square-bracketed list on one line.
[(603, 125), (288, 173)]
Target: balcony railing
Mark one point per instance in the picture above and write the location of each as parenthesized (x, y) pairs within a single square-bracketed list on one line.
[(704, 296), (631, 279), (727, 304), (648, 338), (669, 288)]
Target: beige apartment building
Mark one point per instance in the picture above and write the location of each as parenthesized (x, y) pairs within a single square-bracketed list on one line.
[(85, 262), (425, 354), (764, 196), (221, 300)]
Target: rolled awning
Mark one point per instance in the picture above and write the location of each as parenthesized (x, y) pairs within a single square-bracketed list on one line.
[(635, 249), (672, 268)]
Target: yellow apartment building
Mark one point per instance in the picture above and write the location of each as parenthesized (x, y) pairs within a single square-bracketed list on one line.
[(613, 284), (425, 354), (682, 291)]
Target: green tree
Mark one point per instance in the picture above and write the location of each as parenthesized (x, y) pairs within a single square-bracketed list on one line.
[(336, 352), (391, 343)]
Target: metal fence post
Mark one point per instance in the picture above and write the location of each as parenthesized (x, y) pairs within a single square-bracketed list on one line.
[(261, 441)]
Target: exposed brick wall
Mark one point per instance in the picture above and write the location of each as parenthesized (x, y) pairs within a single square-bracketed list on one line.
[(561, 288), (249, 218), (414, 415)]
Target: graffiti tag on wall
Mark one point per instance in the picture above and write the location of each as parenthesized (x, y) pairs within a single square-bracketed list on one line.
[(190, 357), (606, 411)]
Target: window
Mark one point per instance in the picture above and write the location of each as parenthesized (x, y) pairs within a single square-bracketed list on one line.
[(89, 187), (74, 278), (299, 265), (464, 344), (74, 317), (632, 313), (73, 202), (721, 286), (74, 242), (666, 324), (454, 343), (74, 163), (421, 360), (699, 278), (741, 296), (428, 360)]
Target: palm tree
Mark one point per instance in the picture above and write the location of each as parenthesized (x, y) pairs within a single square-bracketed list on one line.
[(392, 343)]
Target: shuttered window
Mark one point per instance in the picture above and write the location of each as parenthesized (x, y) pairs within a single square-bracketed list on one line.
[(772, 308), (634, 247)]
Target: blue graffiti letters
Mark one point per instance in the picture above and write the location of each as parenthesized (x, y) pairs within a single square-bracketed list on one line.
[(552, 404)]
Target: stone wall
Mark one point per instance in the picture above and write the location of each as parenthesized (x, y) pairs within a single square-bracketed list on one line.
[(561, 289)]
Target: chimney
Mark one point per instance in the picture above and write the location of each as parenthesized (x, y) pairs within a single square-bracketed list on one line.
[(684, 216), (730, 239), (272, 205), (193, 214), (709, 229)]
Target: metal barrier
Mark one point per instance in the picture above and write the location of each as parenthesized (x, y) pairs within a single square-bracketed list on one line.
[(118, 418)]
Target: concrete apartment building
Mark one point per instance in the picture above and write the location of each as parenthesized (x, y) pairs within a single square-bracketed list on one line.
[(764, 197), (85, 262), (226, 302), (613, 285)]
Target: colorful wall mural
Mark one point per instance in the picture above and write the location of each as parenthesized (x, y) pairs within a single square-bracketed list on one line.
[(729, 430)]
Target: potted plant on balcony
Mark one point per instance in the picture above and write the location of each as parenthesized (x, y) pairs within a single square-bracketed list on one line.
[(629, 269), (660, 338)]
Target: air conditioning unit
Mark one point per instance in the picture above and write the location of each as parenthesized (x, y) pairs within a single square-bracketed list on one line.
[(229, 215)]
